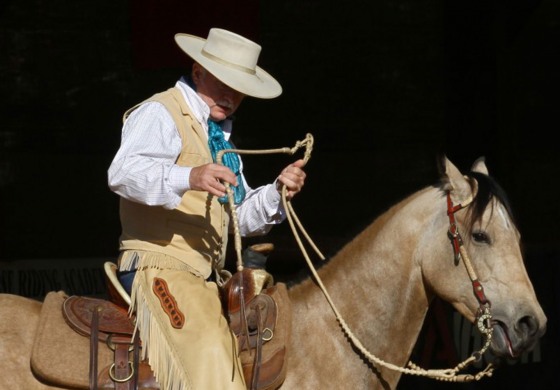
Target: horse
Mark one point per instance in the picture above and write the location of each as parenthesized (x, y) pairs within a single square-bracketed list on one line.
[(357, 317)]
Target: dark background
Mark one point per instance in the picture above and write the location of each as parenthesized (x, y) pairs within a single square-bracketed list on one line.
[(384, 86)]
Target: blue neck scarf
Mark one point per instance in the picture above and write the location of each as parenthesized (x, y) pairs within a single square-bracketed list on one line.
[(217, 142)]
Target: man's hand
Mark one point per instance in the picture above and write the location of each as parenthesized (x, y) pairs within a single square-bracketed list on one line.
[(210, 178), (293, 177)]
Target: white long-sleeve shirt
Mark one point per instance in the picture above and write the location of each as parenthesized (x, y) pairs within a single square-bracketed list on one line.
[(144, 169)]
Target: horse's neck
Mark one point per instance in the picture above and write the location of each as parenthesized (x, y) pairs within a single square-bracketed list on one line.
[(383, 262), (375, 282)]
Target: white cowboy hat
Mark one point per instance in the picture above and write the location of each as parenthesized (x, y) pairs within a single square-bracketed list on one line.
[(232, 59)]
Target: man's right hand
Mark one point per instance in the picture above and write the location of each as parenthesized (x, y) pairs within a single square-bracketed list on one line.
[(210, 178)]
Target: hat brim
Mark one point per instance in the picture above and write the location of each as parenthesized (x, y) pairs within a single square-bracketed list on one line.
[(260, 84)]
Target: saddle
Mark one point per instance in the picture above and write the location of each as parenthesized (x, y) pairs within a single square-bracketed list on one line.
[(259, 315), (89, 343)]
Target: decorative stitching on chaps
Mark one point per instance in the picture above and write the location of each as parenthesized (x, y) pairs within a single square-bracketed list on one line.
[(168, 303)]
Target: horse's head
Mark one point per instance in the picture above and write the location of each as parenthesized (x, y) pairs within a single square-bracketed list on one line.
[(485, 268)]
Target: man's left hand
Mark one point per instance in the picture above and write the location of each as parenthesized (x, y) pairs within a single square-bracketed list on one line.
[(293, 177)]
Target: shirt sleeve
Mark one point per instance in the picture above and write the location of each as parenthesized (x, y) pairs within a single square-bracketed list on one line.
[(260, 210), (143, 169)]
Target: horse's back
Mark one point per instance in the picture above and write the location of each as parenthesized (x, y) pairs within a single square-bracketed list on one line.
[(18, 321)]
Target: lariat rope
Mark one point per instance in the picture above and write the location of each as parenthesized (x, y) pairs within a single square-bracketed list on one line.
[(307, 142), (483, 319)]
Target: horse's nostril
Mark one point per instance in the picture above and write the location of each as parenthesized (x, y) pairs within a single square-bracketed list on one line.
[(528, 325)]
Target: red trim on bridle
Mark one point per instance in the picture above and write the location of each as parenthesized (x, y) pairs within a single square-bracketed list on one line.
[(453, 232), (457, 242)]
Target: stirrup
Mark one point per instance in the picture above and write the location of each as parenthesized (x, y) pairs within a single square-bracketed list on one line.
[(117, 293)]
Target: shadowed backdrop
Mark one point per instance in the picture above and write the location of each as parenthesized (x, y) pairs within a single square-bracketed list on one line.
[(384, 87)]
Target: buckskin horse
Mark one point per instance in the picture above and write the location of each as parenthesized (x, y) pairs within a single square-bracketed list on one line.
[(356, 319)]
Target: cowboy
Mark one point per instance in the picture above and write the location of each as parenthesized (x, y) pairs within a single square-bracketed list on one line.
[(175, 215)]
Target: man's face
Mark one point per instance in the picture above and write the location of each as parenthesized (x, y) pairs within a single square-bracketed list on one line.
[(222, 100)]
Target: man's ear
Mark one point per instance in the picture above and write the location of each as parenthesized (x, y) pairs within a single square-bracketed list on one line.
[(197, 73)]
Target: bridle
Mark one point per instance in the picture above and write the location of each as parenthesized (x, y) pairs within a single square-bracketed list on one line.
[(483, 318)]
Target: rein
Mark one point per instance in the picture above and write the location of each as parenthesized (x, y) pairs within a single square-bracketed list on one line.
[(483, 318)]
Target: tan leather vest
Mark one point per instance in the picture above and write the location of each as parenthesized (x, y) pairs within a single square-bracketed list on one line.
[(195, 233)]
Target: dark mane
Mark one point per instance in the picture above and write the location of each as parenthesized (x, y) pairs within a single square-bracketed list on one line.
[(488, 188)]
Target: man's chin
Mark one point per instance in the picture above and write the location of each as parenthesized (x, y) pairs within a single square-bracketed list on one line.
[(218, 116)]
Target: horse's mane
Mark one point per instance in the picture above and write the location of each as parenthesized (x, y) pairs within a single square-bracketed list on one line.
[(488, 188)]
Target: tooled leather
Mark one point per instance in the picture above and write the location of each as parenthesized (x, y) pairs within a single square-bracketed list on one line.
[(168, 303), (78, 313)]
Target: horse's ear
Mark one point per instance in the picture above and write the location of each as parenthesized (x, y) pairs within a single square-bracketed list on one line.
[(454, 181), (480, 166)]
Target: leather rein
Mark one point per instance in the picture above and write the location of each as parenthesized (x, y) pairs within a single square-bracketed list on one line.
[(483, 319)]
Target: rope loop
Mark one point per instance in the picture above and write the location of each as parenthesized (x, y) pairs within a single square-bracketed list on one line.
[(307, 142)]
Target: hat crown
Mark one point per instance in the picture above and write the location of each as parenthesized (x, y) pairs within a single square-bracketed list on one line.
[(232, 49)]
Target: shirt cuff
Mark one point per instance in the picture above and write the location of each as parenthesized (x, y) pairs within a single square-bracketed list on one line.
[(273, 197), (178, 179)]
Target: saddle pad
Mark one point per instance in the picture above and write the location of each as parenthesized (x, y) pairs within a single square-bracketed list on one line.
[(60, 356)]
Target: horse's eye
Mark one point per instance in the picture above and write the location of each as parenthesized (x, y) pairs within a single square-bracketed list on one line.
[(481, 237)]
